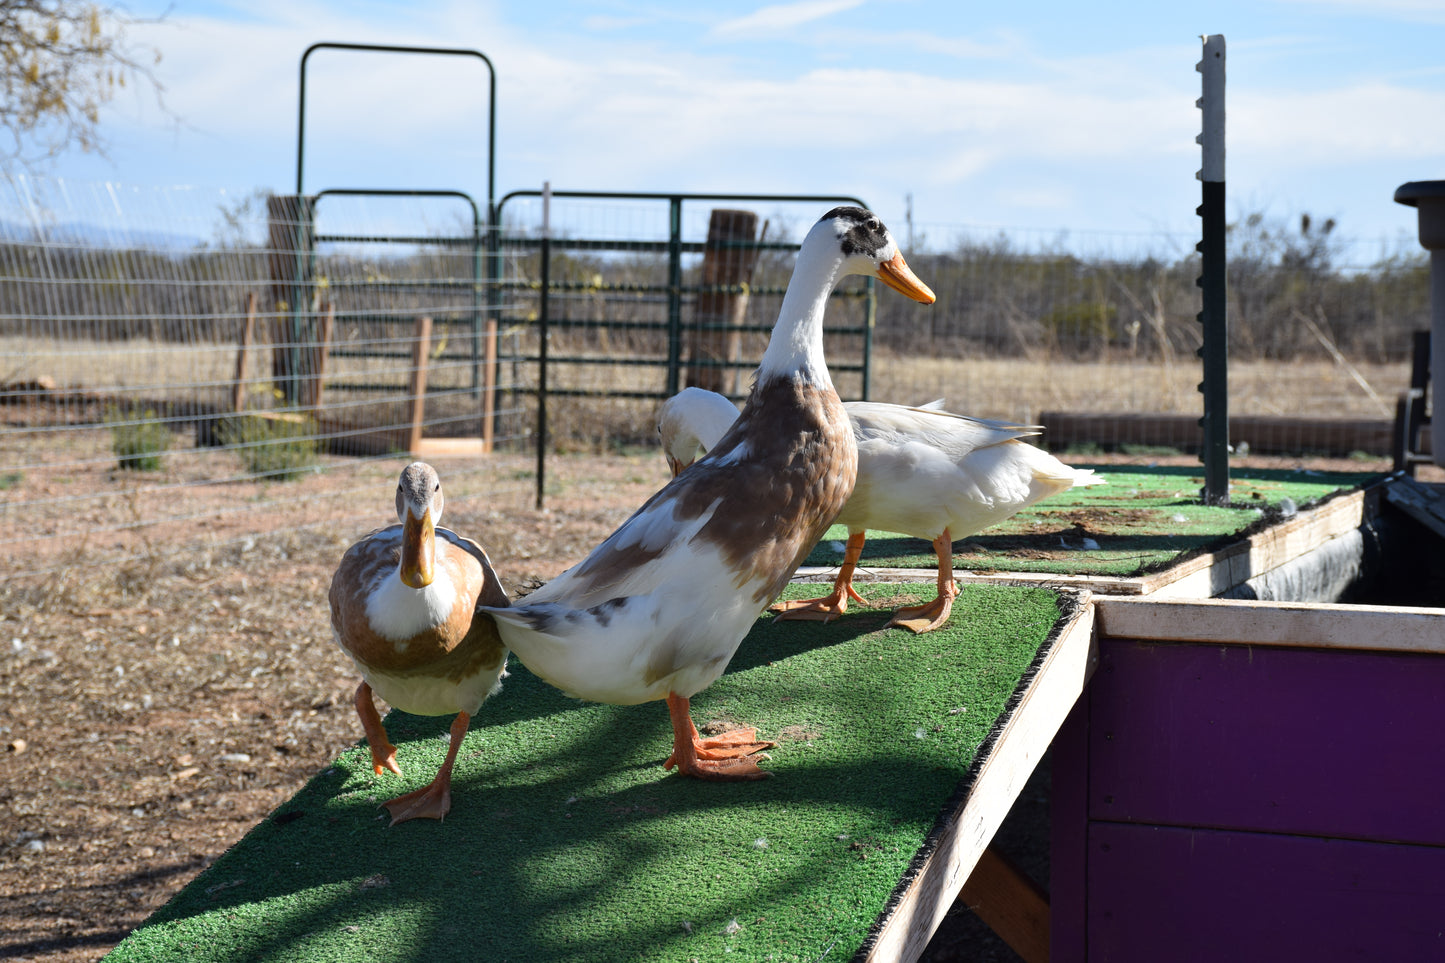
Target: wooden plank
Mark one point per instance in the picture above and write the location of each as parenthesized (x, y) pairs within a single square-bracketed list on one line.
[(1011, 903), (248, 335), (1187, 895), (1200, 577), (420, 355), (1342, 742), (1056, 580), (1213, 573), (449, 448), (1387, 628), (925, 897)]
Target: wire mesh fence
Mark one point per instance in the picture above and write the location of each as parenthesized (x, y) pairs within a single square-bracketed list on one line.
[(161, 378), (170, 357)]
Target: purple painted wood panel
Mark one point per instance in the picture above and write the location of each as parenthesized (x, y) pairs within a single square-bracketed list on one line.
[(1068, 836), (1202, 895), (1312, 741)]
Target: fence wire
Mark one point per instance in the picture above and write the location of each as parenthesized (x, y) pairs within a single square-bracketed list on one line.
[(154, 391), (169, 356)]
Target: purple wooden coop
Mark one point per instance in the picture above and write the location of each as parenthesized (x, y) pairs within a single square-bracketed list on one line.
[(1259, 776)]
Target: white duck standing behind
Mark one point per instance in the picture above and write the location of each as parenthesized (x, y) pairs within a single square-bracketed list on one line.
[(658, 609), (921, 471), (403, 605)]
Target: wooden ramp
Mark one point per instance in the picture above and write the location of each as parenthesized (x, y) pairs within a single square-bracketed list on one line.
[(898, 757)]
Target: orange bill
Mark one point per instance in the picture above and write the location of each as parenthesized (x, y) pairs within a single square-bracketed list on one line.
[(418, 550), (898, 276)]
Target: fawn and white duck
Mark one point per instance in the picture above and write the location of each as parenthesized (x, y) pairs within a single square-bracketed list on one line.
[(403, 607), (658, 609)]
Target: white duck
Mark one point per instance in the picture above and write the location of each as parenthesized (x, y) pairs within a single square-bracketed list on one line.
[(403, 603), (921, 471), (658, 609)]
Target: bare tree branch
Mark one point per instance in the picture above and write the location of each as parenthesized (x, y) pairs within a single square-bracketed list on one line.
[(61, 61)]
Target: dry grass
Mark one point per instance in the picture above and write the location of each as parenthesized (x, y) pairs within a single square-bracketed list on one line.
[(1023, 389)]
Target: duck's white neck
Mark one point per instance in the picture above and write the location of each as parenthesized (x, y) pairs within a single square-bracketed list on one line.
[(397, 611), (796, 343)]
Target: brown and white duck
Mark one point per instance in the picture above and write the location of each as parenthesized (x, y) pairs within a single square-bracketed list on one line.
[(923, 472), (657, 610), (403, 606)]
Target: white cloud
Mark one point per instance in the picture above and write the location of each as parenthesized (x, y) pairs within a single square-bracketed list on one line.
[(1372, 121), (782, 17), (1416, 11)]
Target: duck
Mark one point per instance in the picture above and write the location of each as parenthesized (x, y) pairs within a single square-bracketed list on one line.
[(922, 471), (657, 610), (403, 608)]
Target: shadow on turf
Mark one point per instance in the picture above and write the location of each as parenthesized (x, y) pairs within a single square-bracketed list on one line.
[(530, 848)]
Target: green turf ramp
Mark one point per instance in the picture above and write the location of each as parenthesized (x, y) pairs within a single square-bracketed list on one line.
[(568, 842)]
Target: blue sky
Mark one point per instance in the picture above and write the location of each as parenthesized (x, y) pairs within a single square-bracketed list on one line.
[(1050, 116)]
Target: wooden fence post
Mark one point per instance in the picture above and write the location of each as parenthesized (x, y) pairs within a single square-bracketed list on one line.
[(420, 353), (724, 262), (315, 372), (291, 242), (248, 335), (489, 385)]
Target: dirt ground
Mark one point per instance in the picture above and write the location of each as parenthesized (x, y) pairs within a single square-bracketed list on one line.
[(153, 712)]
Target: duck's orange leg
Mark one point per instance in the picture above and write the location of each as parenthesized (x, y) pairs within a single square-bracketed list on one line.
[(726, 758), (383, 753), (435, 800), (835, 603), (926, 618)]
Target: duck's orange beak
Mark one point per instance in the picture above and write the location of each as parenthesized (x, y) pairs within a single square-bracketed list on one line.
[(900, 277), (418, 550), (676, 465)]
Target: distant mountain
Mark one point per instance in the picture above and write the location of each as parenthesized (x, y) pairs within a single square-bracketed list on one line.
[(97, 235)]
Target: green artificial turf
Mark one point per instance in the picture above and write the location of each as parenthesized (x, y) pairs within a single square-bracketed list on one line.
[(568, 842), (1141, 520)]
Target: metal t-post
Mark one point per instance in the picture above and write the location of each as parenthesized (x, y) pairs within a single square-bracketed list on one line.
[(543, 333), (1214, 450)]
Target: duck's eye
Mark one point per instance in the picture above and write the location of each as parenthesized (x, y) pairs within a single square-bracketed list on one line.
[(438, 487)]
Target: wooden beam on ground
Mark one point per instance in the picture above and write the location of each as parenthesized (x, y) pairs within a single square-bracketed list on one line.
[(429, 448), (1011, 903), (1264, 434)]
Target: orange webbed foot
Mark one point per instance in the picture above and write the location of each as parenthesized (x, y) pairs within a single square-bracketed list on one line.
[(822, 609), (923, 618), (725, 757), (739, 769), (431, 802)]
